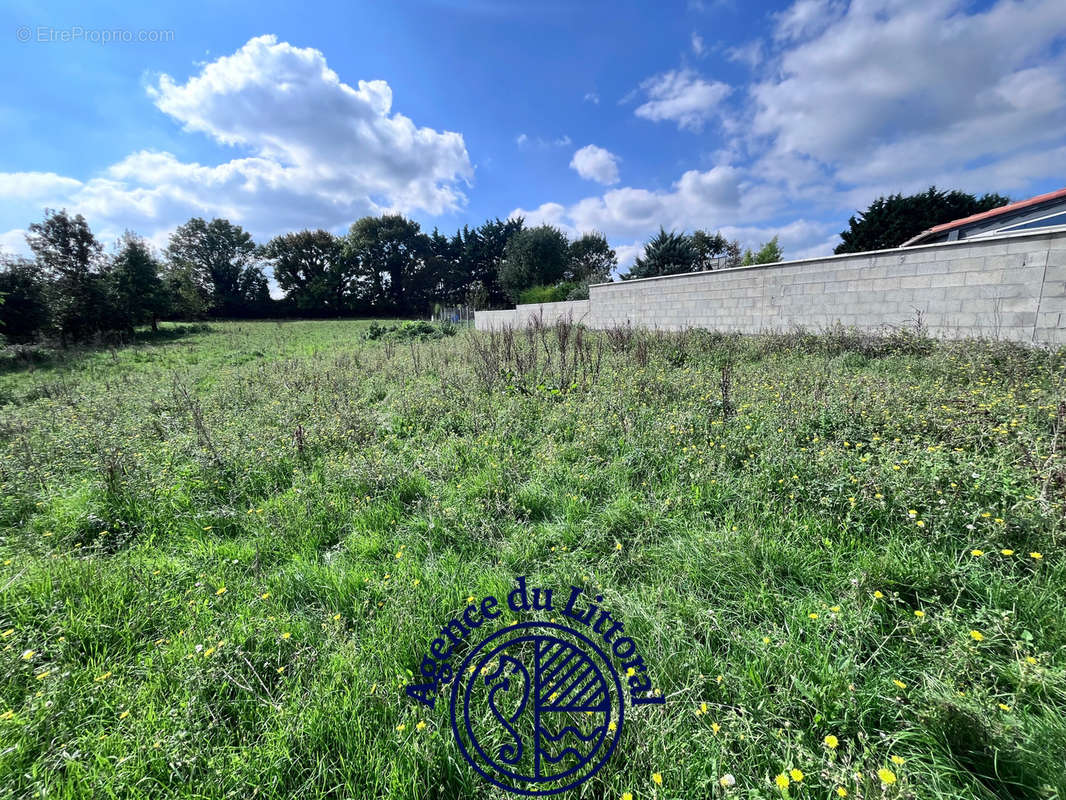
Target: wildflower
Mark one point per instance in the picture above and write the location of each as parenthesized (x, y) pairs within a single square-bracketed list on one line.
[(1003, 707), (124, 714), (977, 553), (102, 678), (977, 636), (899, 761), (795, 774), (1037, 556), (703, 708), (9, 714), (1030, 660), (920, 523), (281, 670), (715, 728), (812, 615), (766, 640), (401, 727), (617, 545), (727, 780), (831, 742), (887, 776), (781, 781), (878, 595), (264, 596), (221, 591), (912, 513), (470, 599), (919, 614), (1007, 551), (627, 796), (900, 684), (657, 778), (612, 726), (42, 675), (421, 726), (28, 654), (835, 609), (286, 635), (8, 632), (842, 792)]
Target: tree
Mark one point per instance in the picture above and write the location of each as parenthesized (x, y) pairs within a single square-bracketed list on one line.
[(769, 253), (68, 253), (390, 255), (665, 254), (138, 292), (218, 259), (533, 257), (24, 313), (482, 258), (590, 260), (892, 220), (310, 267), (709, 249)]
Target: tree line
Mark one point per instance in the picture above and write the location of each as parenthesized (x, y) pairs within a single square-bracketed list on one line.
[(382, 266)]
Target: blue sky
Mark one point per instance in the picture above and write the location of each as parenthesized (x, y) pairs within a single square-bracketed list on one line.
[(751, 118)]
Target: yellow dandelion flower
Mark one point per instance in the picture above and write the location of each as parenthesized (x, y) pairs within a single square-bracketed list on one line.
[(1003, 707), (781, 781), (977, 636), (715, 728), (812, 615), (286, 635), (977, 553), (899, 761), (264, 596), (8, 632), (421, 726), (1030, 660), (42, 675), (842, 792), (124, 714), (795, 774), (878, 595), (1007, 551), (900, 684), (221, 591), (835, 609), (1037, 556), (28, 654), (617, 545), (281, 670), (401, 727), (887, 776), (831, 742), (9, 714), (657, 778)]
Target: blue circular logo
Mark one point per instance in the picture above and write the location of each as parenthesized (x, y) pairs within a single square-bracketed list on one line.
[(537, 708)]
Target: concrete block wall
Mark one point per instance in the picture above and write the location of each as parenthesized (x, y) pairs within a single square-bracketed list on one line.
[(521, 316), (1011, 287)]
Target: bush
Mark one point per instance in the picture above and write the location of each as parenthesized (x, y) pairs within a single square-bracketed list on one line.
[(553, 294), (412, 329)]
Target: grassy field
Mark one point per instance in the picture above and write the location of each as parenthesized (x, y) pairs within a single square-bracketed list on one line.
[(225, 551)]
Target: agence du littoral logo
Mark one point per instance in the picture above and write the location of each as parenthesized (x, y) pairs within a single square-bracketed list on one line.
[(536, 707)]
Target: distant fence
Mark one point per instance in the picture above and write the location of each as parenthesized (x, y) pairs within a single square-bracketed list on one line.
[(457, 314), (1010, 287)]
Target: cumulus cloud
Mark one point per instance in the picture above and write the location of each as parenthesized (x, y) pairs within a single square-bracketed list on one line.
[(314, 151), (683, 97), (697, 44), (596, 164), (888, 90), (525, 141)]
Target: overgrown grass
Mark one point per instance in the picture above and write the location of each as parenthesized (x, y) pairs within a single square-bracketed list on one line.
[(223, 553)]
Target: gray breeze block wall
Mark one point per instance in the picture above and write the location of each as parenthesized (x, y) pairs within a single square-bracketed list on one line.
[(1010, 287), (520, 316)]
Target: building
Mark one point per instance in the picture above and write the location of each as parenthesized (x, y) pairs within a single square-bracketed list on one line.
[(1042, 211)]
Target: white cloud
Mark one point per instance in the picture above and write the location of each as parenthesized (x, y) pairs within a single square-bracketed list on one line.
[(315, 152), (13, 242), (524, 141), (592, 97), (681, 96), (595, 164), (891, 91), (750, 53), (697, 44)]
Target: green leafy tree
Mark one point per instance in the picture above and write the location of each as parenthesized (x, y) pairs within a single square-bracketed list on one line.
[(665, 254), (390, 254), (892, 220), (218, 259), (482, 257), (138, 292), (591, 259), (310, 267), (24, 312), (69, 255), (533, 257), (710, 249)]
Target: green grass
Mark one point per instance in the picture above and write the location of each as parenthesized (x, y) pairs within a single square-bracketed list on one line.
[(765, 514)]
